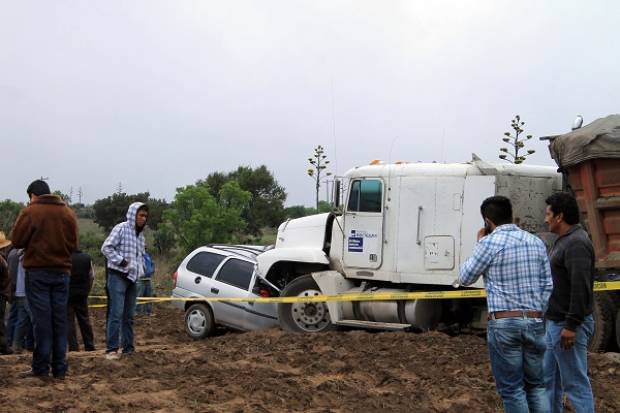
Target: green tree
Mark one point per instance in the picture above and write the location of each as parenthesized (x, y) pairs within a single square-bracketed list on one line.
[(200, 218), (9, 211), (299, 211), (516, 143), (296, 211), (266, 206), (164, 238), (65, 198), (318, 163), (90, 242), (111, 210)]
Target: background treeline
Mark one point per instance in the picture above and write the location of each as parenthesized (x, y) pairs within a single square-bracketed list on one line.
[(242, 206)]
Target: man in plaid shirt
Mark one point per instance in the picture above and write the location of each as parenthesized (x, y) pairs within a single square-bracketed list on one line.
[(124, 249), (518, 283)]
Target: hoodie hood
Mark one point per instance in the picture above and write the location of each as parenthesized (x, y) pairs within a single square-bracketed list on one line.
[(132, 211)]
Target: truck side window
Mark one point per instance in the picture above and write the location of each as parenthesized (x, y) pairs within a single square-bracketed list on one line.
[(365, 196)]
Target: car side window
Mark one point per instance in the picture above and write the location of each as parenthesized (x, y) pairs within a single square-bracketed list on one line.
[(237, 273), (205, 263), (365, 196)]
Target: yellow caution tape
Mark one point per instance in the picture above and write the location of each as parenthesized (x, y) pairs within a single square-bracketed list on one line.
[(367, 296)]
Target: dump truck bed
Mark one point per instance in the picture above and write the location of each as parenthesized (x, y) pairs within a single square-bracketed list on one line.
[(589, 158), (596, 184)]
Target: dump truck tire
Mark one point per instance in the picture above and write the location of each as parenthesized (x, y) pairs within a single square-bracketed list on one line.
[(615, 342), (604, 322)]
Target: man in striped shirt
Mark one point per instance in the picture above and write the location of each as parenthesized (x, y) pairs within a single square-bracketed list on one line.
[(518, 283)]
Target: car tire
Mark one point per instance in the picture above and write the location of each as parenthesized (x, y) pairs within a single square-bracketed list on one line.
[(199, 321), (304, 317)]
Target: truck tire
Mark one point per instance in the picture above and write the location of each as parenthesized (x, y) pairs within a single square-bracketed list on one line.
[(604, 324), (304, 317), (614, 344), (199, 321)]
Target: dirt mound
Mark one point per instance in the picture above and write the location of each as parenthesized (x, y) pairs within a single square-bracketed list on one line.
[(273, 371)]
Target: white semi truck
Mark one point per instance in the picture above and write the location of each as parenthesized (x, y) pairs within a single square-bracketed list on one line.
[(402, 227)]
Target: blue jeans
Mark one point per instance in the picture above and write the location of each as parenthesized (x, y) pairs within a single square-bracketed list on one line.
[(11, 324), (516, 350), (47, 293), (22, 335), (566, 371), (121, 308), (144, 290)]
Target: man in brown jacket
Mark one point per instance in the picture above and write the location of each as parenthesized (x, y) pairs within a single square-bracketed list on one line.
[(47, 230)]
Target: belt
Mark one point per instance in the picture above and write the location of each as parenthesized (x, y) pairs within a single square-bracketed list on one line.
[(520, 314)]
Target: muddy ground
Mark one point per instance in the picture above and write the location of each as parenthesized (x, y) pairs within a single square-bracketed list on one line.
[(272, 371)]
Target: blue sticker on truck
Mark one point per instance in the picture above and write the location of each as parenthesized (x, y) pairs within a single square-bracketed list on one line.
[(356, 242)]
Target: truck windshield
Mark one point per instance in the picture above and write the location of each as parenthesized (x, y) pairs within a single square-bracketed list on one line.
[(365, 196)]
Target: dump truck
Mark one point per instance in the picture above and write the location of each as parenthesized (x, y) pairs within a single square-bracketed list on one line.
[(589, 160), (406, 227)]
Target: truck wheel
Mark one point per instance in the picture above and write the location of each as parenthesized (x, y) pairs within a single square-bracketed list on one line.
[(615, 336), (304, 317), (604, 314), (199, 321)]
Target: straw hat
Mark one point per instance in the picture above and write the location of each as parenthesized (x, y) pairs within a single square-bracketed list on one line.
[(3, 241)]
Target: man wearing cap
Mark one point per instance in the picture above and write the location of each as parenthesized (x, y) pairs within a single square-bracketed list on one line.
[(47, 230), (5, 290)]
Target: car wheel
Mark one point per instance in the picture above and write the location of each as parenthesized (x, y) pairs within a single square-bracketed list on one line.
[(304, 317), (199, 321)]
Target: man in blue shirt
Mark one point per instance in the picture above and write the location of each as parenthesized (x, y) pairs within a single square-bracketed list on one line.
[(518, 283)]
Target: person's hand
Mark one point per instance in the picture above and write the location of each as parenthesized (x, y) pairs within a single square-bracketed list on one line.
[(567, 339), (482, 232)]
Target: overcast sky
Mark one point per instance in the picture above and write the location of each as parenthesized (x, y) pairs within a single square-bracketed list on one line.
[(158, 94)]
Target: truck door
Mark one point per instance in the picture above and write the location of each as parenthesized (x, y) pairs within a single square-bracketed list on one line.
[(363, 224)]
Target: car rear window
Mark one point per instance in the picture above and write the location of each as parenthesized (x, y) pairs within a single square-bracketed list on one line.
[(205, 263), (237, 273)]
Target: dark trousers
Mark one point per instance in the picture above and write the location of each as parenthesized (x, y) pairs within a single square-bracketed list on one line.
[(3, 343), (48, 293), (78, 308), (22, 336)]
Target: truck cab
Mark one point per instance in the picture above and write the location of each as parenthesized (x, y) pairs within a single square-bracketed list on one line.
[(401, 227)]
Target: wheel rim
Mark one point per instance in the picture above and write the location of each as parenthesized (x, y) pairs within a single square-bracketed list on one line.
[(310, 316), (196, 322)]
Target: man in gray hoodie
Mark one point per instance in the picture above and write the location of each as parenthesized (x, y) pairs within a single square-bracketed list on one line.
[(124, 249)]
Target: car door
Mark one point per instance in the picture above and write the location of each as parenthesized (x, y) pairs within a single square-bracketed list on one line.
[(261, 315), (233, 279)]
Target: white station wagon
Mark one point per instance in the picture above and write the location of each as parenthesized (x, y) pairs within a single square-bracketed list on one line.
[(223, 271)]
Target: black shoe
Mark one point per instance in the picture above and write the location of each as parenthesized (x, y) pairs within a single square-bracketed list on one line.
[(59, 376), (6, 350)]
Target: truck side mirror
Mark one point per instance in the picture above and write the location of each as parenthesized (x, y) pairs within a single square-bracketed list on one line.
[(337, 189)]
